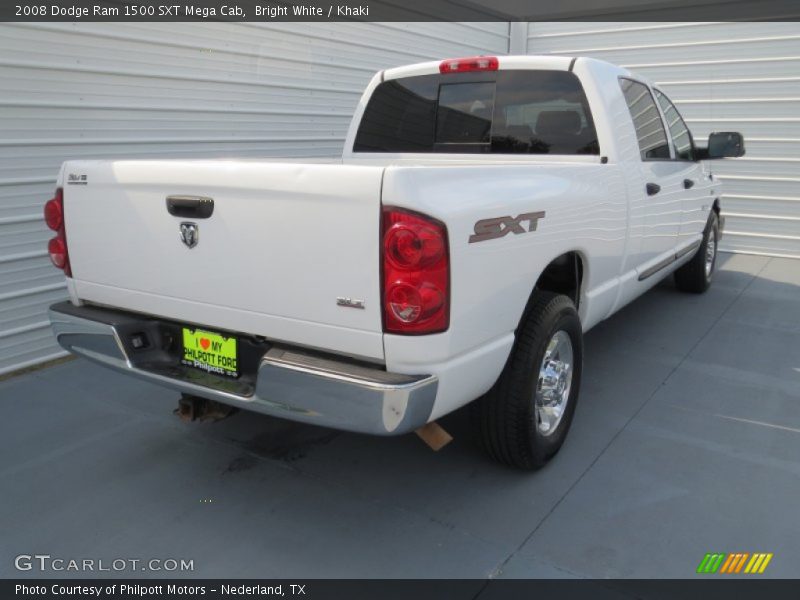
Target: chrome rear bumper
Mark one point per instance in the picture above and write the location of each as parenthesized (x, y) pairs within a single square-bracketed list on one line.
[(288, 382)]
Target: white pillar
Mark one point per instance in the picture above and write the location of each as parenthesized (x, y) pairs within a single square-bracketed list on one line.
[(518, 37)]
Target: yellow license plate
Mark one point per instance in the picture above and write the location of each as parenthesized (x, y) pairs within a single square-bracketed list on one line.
[(210, 352)]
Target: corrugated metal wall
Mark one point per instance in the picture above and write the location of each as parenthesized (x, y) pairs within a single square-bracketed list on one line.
[(102, 90), (95, 90), (722, 76)]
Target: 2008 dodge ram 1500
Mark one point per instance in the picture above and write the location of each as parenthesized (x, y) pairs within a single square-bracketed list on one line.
[(486, 212)]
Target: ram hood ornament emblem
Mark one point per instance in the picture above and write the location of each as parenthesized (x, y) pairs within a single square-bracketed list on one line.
[(190, 234)]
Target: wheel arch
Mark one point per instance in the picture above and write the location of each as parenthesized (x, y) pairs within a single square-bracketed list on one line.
[(564, 274)]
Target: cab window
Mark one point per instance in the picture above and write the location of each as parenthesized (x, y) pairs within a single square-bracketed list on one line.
[(650, 132), (497, 112), (681, 137)]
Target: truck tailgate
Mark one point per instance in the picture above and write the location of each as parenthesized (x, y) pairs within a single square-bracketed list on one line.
[(284, 242)]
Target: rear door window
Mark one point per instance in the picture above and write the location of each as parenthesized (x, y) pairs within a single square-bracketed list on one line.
[(499, 112), (650, 132)]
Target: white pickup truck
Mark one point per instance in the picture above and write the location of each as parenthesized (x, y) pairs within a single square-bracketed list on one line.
[(486, 212)]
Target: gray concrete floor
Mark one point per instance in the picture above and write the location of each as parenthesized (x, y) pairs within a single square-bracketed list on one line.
[(686, 441)]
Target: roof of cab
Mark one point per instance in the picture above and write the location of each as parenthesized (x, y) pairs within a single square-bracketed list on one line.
[(550, 63)]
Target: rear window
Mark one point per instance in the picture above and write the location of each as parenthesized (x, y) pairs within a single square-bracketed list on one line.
[(498, 112)]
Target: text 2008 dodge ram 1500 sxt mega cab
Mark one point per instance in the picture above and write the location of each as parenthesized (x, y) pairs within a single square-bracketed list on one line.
[(486, 212)]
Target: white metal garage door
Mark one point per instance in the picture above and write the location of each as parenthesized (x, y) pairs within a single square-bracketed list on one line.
[(102, 90), (722, 76)]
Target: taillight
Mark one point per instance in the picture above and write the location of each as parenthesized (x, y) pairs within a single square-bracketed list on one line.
[(473, 63), (57, 247), (416, 273), (53, 213), (58, 252)]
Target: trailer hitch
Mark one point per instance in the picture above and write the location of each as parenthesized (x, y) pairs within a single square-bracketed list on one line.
[(195, 408)]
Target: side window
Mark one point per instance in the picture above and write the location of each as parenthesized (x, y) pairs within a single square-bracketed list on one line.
[(681, 138), (650, 131)]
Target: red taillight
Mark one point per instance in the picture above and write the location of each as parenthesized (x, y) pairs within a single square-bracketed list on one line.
[(57, 247), (53, 214), (416, 273), (473, 63), (58, 252)]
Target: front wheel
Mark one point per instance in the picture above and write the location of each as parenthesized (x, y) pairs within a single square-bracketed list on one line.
[(523, 420), (695, 276)]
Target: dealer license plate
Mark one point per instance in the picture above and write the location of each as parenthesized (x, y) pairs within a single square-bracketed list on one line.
[(210, 352)]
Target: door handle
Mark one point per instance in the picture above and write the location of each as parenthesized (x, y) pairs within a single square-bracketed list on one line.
[(192, 207), (688, 183), (652, 189)]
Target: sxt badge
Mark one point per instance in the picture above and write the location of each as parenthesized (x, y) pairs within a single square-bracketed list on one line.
[(489, 229)]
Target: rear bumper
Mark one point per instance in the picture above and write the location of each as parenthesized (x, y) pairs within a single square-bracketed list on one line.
[(286, 382)]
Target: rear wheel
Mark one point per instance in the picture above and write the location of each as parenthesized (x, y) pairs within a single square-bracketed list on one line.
[(523, 420), (695, 276)]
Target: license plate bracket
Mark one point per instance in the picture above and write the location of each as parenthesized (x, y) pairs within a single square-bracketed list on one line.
[(210, 351)]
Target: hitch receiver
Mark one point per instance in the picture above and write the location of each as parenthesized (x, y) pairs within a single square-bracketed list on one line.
[(195, 408)]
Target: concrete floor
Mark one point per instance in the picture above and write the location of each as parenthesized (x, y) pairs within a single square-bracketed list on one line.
[(686, 441)]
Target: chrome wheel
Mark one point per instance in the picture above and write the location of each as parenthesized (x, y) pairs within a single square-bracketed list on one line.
[(554, 383), (711, 251)]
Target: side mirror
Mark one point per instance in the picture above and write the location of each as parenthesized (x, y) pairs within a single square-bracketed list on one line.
[(726, 144)]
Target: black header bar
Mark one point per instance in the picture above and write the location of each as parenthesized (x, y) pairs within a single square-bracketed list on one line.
[(702, 588), (397, 10)]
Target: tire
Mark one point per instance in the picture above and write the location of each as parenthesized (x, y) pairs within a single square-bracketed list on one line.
[(505, 420), (696, 275)]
